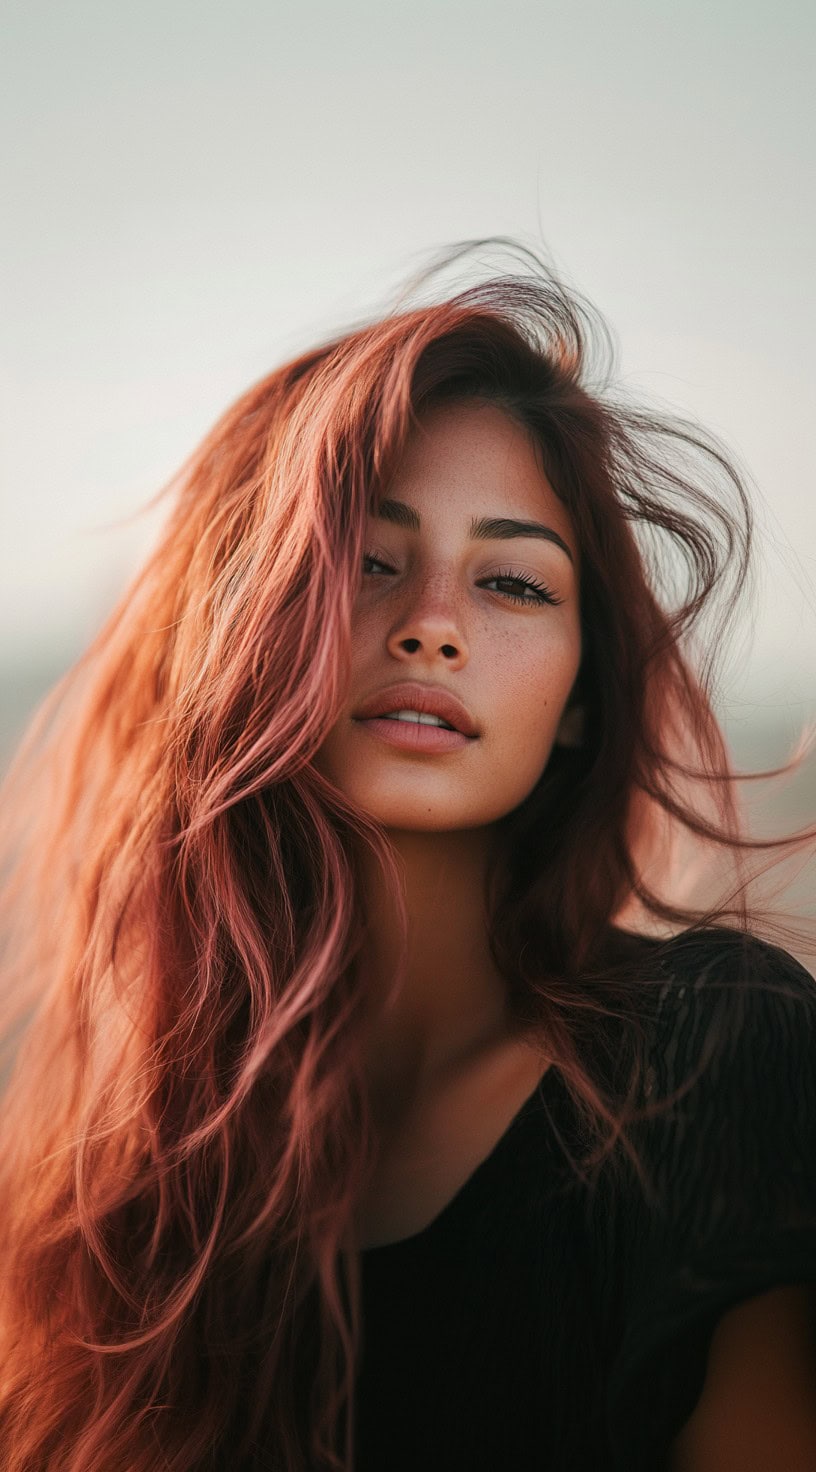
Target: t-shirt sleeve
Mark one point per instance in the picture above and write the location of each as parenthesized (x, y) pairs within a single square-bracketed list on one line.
[(734, 1168)]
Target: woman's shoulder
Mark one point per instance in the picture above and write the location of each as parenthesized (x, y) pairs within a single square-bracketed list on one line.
[(735, 1011), (704, 965), (720, 947), (727, 1210)]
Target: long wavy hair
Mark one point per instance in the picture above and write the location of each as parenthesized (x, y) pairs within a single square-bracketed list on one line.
[(185, 1127)]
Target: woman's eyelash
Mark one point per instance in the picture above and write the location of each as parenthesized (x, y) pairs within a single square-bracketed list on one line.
[(545, 594), (542, 592)]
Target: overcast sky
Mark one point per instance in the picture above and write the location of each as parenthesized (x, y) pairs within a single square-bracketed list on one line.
[(195, 192)]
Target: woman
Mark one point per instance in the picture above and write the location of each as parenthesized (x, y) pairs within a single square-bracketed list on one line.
[(386, 1101)]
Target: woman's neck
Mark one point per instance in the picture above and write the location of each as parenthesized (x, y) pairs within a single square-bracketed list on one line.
[(452, 1003)]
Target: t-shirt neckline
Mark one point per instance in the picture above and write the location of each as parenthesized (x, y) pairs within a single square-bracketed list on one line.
[(468, 1186)]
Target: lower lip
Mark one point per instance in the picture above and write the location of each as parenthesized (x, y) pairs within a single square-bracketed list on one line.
[(414, 736)]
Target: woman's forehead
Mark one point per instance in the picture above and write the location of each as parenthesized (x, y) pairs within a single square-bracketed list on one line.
[(477, 459)]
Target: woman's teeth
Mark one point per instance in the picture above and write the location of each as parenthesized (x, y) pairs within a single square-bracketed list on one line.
[(421, 717)]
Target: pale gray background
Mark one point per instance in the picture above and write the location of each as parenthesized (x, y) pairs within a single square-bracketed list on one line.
[(195, 192)]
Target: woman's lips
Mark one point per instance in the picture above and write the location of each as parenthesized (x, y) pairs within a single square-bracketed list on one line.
[(413, 735)]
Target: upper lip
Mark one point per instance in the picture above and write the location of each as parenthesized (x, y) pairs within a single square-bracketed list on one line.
[(430, 700)]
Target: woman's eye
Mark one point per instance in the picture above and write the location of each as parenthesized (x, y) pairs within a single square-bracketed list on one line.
[(541, 593), (368, 558)]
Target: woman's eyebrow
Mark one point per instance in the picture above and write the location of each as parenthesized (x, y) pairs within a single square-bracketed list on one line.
[(482, 528)]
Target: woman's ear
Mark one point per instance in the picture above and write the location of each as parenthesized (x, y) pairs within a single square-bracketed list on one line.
[(571, 730), (572, 726)]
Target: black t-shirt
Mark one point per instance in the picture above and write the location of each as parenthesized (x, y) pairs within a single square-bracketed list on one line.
[(538, 1326)]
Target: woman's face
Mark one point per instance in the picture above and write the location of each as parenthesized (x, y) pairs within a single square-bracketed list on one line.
[(436, 607)]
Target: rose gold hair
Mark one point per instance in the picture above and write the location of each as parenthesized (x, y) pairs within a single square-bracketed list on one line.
[(185, 1129)]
